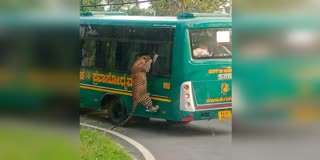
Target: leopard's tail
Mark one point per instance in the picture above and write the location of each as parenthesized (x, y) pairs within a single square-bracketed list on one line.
[(134, 106)]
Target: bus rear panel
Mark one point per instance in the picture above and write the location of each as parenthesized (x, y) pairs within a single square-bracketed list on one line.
[(206, 89)]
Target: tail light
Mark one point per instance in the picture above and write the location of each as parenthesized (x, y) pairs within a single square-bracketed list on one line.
[(185, 87), (186, 97)]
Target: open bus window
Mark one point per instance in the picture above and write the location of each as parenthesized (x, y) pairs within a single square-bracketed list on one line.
[(211, 43), (116, 48), (88, 53)]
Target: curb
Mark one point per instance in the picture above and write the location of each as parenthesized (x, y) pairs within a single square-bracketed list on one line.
[(146, 153)]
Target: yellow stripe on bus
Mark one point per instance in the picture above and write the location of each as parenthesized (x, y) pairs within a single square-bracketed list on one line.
[(122, 93), (160, 99), (106, 90)]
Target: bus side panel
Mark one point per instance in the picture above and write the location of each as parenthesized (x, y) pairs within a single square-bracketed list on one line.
[(160, 89), (90, 98), (179, 59)]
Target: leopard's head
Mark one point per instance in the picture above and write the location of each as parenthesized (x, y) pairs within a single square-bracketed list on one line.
[(142, 63), (145, 58)]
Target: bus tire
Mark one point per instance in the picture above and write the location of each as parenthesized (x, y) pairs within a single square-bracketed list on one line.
[(117, 111)]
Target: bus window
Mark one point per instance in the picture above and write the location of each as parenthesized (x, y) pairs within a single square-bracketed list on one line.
[(108, 49), (88, 53), (117, 47), (211, 43)]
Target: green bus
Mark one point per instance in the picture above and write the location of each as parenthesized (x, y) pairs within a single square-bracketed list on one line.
[(191, 79)]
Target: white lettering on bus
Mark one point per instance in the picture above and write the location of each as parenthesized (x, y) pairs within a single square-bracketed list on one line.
[(224, 76)]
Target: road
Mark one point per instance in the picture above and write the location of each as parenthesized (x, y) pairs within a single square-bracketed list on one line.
[(199, 140)]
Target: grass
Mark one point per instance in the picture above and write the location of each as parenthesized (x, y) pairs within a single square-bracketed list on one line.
[(98, 146)]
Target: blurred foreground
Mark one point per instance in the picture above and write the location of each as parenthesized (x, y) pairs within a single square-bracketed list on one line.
[(276, 79), (39, 97), (32, 140)]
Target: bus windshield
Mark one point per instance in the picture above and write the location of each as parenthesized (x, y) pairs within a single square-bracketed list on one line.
[(211, 43)]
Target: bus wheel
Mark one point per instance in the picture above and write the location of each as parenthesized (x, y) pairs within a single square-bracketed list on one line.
[(117, 111)]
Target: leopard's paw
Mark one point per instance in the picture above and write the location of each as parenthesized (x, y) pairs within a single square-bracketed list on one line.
[(153, 108)]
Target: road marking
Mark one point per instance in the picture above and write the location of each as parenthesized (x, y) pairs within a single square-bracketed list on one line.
[(146, 153)]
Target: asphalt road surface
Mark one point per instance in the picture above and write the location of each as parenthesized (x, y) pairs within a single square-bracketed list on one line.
[(199, 140)]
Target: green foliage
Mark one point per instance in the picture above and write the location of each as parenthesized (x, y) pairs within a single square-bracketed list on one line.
[(130, 9), (96, 145), (173, 7), (161, 7), (91, 2), (138, 11)]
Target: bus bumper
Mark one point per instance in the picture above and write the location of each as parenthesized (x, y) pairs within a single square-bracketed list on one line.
[(220, 114)]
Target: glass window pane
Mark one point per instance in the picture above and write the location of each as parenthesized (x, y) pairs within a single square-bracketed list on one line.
[(211, 43)]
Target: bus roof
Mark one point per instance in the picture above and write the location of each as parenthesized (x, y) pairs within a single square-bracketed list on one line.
[(157, 20)]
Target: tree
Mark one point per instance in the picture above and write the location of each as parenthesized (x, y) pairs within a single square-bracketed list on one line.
[(132, 8), (126, 4), (161, 7), (135, 10), (91, 3), (173, 7)]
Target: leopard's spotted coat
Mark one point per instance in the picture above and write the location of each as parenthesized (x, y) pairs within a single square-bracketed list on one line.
[(139, 86)]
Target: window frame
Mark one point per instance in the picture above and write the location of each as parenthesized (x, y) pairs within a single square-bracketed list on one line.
[(122, 39)]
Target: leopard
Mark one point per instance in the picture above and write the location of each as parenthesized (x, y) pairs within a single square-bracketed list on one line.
[(139, 70)]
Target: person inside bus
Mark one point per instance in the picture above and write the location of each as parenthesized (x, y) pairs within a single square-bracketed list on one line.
[(218, 49), (214, 50), (202, 51)]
